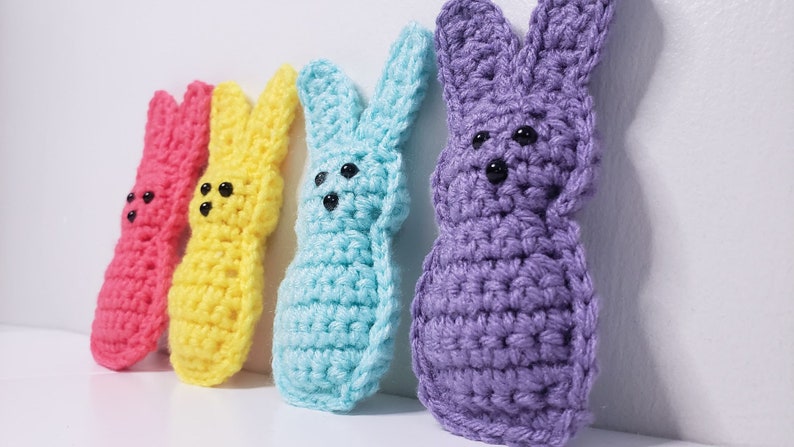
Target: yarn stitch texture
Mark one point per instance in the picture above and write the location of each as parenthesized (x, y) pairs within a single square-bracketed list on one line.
[(504, 318), (338, 305), (216, 297), (131, 314)]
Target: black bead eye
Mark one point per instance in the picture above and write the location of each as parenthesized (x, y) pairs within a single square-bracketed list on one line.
[(348, 170), (226, 189), (319, 179), (148, 196), (525, 135), (479, 139), (205, 208), (496, 171), (330, 201), (205, 189), (131, 216), (130, 197)]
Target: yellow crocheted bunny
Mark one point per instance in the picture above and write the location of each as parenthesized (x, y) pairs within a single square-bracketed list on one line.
[(216, 296)]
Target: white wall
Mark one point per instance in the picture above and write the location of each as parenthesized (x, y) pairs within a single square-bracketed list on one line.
[(690, 238)]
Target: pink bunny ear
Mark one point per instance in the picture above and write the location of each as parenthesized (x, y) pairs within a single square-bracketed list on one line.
[(161, 119), (475, 48), (192, 132), (196, 105), (564, 43)]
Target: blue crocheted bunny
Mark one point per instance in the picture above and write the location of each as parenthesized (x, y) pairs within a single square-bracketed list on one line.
[(338, 306)]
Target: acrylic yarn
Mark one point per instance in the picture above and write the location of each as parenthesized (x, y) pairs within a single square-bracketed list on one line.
[(216, 297), (338, 306), (131, 314), (504, 318)]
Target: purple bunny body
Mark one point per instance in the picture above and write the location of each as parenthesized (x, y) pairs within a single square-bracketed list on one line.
[(504, 318)]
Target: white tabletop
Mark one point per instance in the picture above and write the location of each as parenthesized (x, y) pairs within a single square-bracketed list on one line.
[(53, 394)]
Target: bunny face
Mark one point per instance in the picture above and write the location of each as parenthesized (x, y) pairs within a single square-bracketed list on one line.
[(521, 118), (345, 190), (355, 165), (509, 160), (175, 150), (131, 210), (246, 149), (219, 198)]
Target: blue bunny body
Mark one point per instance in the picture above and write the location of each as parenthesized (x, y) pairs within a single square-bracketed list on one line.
[(338, 306)]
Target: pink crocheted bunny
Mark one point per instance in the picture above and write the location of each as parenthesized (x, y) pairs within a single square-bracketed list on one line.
[(131, 309)]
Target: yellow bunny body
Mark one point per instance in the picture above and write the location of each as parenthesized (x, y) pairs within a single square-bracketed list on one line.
[(215, 300)]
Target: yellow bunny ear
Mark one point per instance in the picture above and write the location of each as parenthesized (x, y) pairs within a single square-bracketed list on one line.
[(270, 121), (229, 117)]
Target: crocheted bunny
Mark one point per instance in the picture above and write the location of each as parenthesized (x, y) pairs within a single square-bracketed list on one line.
[(216, 297), (338, 305), (504, 317), (131, 307)]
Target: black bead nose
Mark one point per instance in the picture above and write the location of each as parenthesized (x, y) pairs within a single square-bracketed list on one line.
[(496, 171), (330, 201), (205, 208), (131, 216)]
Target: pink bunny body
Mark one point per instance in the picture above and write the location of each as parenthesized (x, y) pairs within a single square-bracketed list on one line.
[(131, 308)]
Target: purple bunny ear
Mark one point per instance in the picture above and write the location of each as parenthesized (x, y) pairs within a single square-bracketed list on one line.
[(475, 48), (563, 43)]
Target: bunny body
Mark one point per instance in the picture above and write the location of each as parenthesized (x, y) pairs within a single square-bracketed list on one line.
[(504, 329), (338, 304), (131, 308), (216, 297)]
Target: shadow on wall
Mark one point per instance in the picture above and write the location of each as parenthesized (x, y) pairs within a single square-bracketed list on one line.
[(630, 394), (417, 234)]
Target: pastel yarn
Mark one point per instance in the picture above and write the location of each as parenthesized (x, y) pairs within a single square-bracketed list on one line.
[(131, 314), (216, 297), (338, 305), (504, 318)]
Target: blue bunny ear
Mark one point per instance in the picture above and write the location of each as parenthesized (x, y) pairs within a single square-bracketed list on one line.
[(400, 90), (564, 43), (331, 103)]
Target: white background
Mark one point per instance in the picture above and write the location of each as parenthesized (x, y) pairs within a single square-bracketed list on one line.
[(690, 239)]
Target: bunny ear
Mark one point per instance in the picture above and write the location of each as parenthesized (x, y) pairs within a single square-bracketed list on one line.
[(331, 104), (475, 47), (564, 43), (195, 108), (272, 117), (400, 90), (161, 119), (191, 132), (228, 118)]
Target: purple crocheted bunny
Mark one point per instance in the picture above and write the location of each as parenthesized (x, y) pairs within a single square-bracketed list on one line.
[(504, 318)]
